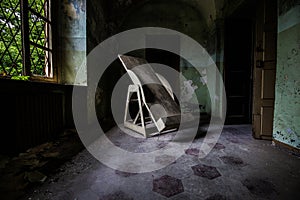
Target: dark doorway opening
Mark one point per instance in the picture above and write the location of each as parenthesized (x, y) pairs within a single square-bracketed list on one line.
[(238, 69)]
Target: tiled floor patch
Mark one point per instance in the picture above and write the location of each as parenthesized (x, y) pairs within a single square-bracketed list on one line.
[(192, 152), (205, 171), (219, 146), (167, 186), (234, 161)]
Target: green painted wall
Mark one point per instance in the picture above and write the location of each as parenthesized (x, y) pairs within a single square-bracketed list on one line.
[(286, 126), (198, 83)]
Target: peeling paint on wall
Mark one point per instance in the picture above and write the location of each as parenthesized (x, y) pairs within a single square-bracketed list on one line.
[(72, 33), (286, 126), (195, 89)]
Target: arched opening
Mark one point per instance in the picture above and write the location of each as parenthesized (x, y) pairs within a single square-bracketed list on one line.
[(176, 15)]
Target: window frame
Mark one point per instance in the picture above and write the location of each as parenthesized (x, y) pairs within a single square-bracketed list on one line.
[(25, 10)]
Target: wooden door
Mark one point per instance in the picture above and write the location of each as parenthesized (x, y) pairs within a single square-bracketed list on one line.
[(264, 69)]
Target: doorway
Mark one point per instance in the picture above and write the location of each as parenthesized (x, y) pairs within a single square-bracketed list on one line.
[(238, 73)]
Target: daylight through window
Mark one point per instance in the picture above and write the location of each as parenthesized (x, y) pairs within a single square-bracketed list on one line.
[(25, 40)]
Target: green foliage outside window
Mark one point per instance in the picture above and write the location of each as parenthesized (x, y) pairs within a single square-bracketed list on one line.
[(11, 38)]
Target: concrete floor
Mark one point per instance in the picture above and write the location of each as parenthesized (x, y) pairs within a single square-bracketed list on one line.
[(238, 167)]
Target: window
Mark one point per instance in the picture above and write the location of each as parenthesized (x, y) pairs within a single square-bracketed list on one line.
[(25, 40)]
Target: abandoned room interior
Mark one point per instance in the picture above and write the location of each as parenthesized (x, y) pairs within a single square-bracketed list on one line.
[(245, 143)]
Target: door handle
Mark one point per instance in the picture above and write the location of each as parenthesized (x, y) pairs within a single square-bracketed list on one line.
[(259, 64), (259, 49)]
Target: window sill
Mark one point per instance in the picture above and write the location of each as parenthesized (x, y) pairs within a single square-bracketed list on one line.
[(42, 79)]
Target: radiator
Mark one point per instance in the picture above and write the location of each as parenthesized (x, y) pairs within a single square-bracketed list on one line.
[(31, 119)]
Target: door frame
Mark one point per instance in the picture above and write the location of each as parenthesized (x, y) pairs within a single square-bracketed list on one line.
[(263, 104)]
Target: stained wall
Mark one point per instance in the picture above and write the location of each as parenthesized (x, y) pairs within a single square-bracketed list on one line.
[(185, 17), (201, 20), (286, 128), (72, 42)]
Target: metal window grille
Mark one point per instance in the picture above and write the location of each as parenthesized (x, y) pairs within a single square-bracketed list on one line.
[(25, 39)]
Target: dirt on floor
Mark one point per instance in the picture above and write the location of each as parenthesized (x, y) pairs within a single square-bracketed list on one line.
[(33, 167)]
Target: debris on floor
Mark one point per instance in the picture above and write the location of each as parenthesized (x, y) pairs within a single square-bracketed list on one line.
[(32, 167), (250, 169), (35, 177)]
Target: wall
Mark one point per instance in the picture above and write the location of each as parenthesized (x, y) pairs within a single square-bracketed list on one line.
[(182, 17), (193, 17), (95, 24), (197, 19), (72, 41), (286, 128), (98, 29)]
